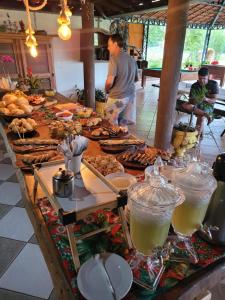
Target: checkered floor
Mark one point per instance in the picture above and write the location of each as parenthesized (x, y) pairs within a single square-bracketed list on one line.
[(23, 272)]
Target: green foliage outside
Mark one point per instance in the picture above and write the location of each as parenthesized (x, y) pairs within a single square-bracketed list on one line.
[(217, 42), (156, 35), (155, 46), (193, 47)]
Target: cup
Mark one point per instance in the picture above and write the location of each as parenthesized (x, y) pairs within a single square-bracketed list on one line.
[(74, 164)]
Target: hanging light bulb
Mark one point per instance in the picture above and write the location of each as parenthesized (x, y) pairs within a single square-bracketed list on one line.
[(68, 11), (63, 18), (31, 41), (64, 32), (33, 51)]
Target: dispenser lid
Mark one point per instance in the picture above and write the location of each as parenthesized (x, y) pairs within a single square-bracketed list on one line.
[(63, 175), (156, 192), (219, 167), (196, 176)]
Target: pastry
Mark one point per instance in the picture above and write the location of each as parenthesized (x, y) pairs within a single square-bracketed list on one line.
[(36, 141), (105, 164), (30, 159)]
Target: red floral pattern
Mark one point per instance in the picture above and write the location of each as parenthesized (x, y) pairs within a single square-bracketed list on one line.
[(114, 242)]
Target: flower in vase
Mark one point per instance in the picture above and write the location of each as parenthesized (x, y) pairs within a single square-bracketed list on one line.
[(6, 82), (5, 61), (32, 81)]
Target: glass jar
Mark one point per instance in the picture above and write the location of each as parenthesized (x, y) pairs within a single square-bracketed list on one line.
[(198, 184), (151, 205)]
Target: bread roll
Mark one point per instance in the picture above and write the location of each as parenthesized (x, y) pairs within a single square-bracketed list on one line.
[(16, 112), (27, 126), (12, 106), (26, 108), (2, 104), (22, 101), (9, 98), (5, 111)]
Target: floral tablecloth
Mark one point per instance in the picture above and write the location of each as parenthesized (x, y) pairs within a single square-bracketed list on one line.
[(114, 242)]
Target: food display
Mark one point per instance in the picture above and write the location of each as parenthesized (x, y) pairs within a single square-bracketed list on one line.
[(65, 115), (36, 100), (61, 129), (107, 132), (105, 164), (67, 106), (117, 146), (22, 125), (36, 141), (84, 112), (140, 159), (90, 122), (33, 148), (30, 159), (15, 104), (129, 142)]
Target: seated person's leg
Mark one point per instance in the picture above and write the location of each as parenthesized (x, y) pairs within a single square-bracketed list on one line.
[(188, 107), (200, 124)]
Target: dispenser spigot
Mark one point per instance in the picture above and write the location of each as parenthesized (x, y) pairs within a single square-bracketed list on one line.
[(206, 229)]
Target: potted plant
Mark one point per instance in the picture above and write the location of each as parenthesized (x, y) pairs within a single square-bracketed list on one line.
[(100, 102), (184, 137), (33, 82)]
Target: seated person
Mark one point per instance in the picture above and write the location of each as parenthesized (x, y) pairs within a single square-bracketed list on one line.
[(202, 97)]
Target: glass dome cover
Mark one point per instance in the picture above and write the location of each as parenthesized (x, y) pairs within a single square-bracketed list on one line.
[(196, 176), (156, 192)]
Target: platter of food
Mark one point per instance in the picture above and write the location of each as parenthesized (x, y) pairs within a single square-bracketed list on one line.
[(104, 164), (93, 122), (35, 100), (20, 128), (15, 105), (120, 145), (103, 133), (30, 151), (36, 142), (84, 112), (61, 129), (140, 159)]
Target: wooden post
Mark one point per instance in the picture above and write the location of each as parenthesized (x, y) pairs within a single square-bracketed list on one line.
[(87, 52), (173, 50)]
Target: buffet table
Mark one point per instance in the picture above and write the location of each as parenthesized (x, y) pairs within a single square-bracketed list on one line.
[(180, 281), (156, 72)]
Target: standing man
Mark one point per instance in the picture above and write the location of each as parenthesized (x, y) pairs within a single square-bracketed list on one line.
[(120, 84), (202, 97)]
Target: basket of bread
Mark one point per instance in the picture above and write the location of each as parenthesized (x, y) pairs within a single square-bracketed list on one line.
[(22, 126), (15, 105)]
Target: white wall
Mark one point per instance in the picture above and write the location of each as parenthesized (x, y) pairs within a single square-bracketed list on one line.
[(66, 54)]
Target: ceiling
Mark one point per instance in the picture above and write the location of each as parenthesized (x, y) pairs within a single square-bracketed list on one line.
[(205, 14), (103, 8)]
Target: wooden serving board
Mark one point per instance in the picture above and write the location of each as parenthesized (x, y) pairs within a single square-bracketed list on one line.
[(105, 137), (116, 148), (9, 118), (29, 134), (131, 165), (29, 168)]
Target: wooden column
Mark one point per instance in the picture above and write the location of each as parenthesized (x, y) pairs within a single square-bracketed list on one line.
[(173, 50), (87, 52)]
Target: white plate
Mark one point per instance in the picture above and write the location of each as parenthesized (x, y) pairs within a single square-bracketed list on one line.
[(93, 283), (121, 180)]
